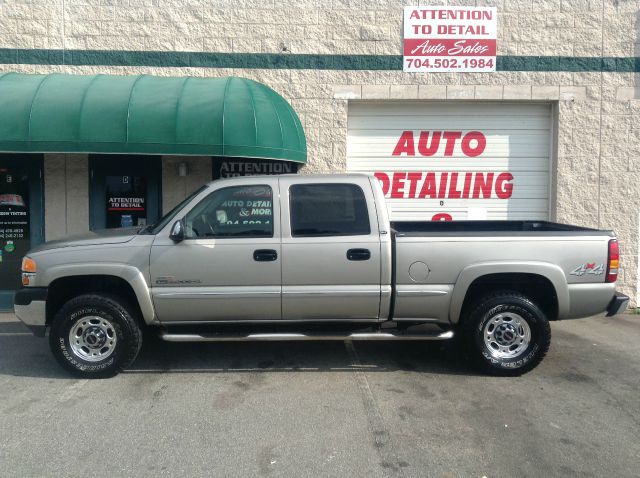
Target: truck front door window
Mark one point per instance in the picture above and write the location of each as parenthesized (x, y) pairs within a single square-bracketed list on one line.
[(328, 210), (242, 211)]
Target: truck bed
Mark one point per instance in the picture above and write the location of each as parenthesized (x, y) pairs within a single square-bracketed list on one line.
[(494, 228)]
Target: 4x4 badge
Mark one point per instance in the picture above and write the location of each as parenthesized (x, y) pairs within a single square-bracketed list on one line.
[(588, 268)]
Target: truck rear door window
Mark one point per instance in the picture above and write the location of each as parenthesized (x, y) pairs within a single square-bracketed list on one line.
[(328, 210), (240, 211)]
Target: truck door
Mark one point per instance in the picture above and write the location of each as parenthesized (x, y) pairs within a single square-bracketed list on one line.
[(228, 265), (330, 250)]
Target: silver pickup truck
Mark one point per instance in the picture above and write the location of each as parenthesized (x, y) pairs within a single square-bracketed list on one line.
[(301, 257)]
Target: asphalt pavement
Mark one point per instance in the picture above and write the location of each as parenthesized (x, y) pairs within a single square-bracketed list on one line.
[(363, 409)]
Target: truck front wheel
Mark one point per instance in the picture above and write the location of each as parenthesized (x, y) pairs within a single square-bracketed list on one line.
[(506, 333), (95, 336)]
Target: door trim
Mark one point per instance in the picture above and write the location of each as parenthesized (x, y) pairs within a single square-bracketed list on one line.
[(247, 292), (344, 291)]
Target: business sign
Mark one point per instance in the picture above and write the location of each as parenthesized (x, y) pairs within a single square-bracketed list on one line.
[(231, 167), (126, 201), (450, 39), (129, 203), (15, 238), (454, 160)]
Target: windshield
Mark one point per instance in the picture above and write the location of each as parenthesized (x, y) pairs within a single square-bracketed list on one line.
[(157, 227)]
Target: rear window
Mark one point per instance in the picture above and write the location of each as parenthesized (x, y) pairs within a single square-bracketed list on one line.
[(328, 210)]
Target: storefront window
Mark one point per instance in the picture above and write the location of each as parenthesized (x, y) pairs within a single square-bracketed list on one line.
[(15, 237), (124, 190)]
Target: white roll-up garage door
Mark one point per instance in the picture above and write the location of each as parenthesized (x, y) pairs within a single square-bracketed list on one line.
[(455, 160)]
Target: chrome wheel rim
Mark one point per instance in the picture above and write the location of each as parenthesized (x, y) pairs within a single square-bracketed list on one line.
[(506, 335), (93, 338)]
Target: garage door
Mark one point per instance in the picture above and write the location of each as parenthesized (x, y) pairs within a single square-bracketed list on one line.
[(455, 161)]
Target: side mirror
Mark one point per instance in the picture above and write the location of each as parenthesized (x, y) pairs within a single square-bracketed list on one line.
[(177, 231)]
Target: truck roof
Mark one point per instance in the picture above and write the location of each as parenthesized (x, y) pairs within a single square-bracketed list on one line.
[(302, 176)]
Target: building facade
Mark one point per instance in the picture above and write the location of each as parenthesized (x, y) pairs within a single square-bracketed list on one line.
[(551, 134)]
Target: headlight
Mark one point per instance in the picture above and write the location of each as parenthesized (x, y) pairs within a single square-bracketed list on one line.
[(29, 265), (29, 269)]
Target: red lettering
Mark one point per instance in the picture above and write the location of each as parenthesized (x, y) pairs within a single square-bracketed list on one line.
[(442, 216), (384, 181), (451, 137), (467, 185), (453, 184), (405, 145), (430, 150), (429, 186), (504, 187), (413, 179), (397, 187), (479, 147), (473, 143), (482, 185), (443, 185)]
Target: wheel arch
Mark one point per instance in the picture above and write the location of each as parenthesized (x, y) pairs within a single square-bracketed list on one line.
[(66, 286), (543, 282)]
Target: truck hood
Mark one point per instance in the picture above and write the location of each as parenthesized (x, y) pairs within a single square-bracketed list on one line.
[(93, 238)]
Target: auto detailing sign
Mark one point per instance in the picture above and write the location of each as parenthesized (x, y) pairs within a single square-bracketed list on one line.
[(444, 185), (450, 39)]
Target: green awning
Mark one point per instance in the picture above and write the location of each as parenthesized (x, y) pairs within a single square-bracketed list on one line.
[(147, 115)]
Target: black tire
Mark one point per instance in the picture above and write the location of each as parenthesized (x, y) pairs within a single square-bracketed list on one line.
[(485, 353), (114, 323)]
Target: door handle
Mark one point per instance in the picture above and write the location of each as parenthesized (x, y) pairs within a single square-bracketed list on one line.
[(358, 254), (264, 255)]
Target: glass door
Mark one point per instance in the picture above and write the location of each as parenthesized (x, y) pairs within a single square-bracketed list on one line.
[(125, 191), (21, 218)]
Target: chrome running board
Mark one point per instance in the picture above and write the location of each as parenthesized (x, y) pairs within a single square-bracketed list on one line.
[(219, 337)]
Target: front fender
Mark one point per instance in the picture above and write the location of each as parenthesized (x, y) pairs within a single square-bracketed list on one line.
[(549, 271), (132, 275)]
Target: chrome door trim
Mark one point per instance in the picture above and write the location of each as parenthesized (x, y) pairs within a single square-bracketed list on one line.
[(313, 290), (197, 295), (427, 293)]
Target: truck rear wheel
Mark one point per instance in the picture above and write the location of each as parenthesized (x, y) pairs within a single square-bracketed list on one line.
[(506, 333), (95, 336)]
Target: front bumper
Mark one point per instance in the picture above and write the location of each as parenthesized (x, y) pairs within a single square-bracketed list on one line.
[(618, 304), (30, 305)]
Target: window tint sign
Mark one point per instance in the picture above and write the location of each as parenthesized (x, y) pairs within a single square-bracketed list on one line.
[(450, 39), (14, 226)]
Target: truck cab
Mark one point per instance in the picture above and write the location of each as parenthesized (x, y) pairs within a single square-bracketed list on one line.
[(275, 248)]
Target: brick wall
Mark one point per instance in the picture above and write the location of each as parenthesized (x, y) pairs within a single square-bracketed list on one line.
[(597, 165)]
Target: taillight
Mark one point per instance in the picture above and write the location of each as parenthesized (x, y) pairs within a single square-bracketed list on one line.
[(613, 261)]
